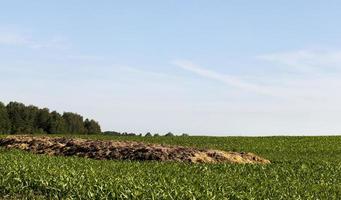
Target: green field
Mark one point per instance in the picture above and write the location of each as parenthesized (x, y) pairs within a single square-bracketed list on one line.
[(302, 168)]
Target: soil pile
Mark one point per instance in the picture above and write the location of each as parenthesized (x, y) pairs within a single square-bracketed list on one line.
[(110, 150)]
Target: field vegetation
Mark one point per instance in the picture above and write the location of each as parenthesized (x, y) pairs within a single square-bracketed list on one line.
[(301, 168)]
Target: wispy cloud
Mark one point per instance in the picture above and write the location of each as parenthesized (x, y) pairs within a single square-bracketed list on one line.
[(9, 38), (13, 39), (307, 88), (306, 61), (227, 79)]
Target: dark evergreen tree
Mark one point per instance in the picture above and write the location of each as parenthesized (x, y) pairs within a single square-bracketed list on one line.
[(5, 123), (92, 127)]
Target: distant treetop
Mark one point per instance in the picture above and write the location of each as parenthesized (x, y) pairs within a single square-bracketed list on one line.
[(169, 134)]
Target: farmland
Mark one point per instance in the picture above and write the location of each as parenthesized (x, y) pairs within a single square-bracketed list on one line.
[(301, 168)]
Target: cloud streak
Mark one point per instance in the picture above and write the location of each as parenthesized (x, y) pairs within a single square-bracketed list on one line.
[(305, 61), (314, 75), (227, 79), (15, 39)]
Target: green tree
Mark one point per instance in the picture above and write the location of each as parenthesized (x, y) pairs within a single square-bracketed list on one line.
[(5, 123), (148, 134), (18, 118), (169, 134), (22, 118), (30, 116), (92, 127), (55, 123), (42, 119), (74, 123)]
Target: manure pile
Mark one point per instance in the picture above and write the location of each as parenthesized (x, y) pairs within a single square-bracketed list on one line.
[(117, 150)]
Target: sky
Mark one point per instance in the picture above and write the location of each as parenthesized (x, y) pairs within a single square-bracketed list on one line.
[(199, 67)]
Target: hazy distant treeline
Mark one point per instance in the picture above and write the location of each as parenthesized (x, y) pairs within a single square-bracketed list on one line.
[(18, 118), (148, 134)]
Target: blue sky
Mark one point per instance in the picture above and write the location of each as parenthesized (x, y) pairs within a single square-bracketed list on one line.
[(200, 67)]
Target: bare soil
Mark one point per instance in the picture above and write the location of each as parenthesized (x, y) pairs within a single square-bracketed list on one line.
[(117, 150)]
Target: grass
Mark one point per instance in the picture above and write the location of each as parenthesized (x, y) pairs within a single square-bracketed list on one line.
[(302, 168)]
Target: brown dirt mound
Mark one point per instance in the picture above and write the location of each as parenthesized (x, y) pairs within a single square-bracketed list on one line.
[(109, 150)]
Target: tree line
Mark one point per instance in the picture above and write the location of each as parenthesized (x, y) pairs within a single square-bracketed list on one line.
[(148, 134), (17, 118)]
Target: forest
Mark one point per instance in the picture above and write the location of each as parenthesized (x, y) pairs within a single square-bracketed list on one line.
[(17, 118)]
